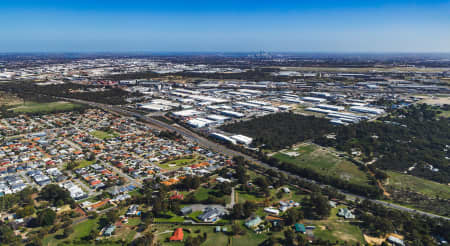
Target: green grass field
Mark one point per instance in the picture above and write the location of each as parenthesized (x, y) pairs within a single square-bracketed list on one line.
[(445, 114), (103, 135), (323, 162), (33, 107), (202, 193), (82, 163), (169, 217), (80, 230), (420, 185), (213, 239), (335, 228), (175, 164)]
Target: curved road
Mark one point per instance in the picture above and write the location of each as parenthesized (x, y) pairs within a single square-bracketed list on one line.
[(221, 149)]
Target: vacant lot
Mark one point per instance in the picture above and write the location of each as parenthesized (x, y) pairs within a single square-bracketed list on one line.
[(335, 228), (33, 107), (419, 193), (103, 135), (423, 186), (8, 99), (322, 161), (80, 230), (213, 239), (175, 164)]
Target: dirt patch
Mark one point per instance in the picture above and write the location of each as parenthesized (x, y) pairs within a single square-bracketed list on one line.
[(373, 240), (380, 240), (8, 99), (436, 100)]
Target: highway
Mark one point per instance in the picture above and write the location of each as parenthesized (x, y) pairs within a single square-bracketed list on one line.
[(224, 150)]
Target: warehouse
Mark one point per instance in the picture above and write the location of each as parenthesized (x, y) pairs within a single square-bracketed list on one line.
[(367, 110), (218, 118), (232, 113), (187, 91), (270, 109), (223, 137), (155, 107), (247, 105), (314, 99), (320, 94), (187, 113), (196, 123), (330, 107), (291, 100), (318, 110), (261, 103), (242, 139)]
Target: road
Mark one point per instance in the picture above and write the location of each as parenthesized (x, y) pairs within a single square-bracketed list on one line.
[(222, 149), (233, 199)]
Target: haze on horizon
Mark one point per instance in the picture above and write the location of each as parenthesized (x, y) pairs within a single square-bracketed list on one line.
[(224, 26)]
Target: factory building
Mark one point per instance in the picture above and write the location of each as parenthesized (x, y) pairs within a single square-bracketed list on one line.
[(242, 139), (368, 110)]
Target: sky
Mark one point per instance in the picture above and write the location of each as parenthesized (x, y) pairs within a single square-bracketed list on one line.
[(224, 26)]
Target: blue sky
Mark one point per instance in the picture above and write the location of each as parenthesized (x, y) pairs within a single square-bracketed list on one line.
[(243, 26)]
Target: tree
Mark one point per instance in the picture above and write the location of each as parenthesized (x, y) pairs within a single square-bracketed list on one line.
[(292, 216), (7, 235), (56, 195), (46, 217), (110, 217), (67, 231), (236, 229), (71, 165), (289, 237), (35, 241), (146, 240), (25, 211), (316, 206)]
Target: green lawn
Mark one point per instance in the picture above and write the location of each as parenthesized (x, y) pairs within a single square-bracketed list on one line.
[(80, 230), (134, 221), (82, 163), (213, 238), (175, 164), (169, 217), (103, 135), (445, 114), (34, 107), (335, 228), (250, 238), (324, 162), (420, 185), (203, 193)]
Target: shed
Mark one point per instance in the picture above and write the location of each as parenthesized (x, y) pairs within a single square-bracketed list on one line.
[(300, 228), (177, 235)]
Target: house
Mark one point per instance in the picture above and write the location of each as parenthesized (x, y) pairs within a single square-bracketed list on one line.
[(286, 190), (132, 210), (211, 214), (344, 212), (186, 210), (253, 222), (276, 221), (109, 230), (396, 241), (177, 235), (299, 228), (271, 210), (332, 204)]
